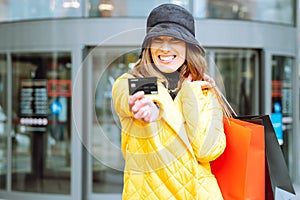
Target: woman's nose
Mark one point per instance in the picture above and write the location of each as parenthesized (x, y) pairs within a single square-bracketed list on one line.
[(165, 47)]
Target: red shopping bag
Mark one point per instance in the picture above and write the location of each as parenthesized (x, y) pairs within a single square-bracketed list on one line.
[(240, 170)]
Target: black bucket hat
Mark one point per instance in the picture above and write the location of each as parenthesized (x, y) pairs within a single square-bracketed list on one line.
[(171, 20)]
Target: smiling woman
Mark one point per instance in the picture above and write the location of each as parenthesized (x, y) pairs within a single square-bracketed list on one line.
[(167, 151)]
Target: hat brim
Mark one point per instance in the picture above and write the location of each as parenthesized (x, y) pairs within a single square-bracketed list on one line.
[(173, 30)]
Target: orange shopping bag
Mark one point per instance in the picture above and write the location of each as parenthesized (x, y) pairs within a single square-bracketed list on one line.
[(278, 183), (240, 170)]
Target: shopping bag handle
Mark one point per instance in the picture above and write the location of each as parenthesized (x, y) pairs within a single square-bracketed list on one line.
[(229, 111)]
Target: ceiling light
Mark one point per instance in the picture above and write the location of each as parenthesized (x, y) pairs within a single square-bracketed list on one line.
[(71, 4), (106, 6)]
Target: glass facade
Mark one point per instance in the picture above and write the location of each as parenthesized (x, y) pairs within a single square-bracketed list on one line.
[(282, 103), (3, 121), (14, 10), (239, 70), (127, 8), (41, 95), (107, 65), (273, 11)]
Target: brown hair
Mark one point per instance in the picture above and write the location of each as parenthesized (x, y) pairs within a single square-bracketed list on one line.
[(195, 65)]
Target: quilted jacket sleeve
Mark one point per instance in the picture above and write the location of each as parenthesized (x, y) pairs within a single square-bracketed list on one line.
[(204, 121)]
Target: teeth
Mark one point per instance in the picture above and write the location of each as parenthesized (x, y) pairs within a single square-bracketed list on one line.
[(166, 58)]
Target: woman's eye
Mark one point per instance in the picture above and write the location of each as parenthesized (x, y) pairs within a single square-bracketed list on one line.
[(156, 39), (175, 40)]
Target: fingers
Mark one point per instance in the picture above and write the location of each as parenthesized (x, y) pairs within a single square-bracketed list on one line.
[(208, 79), (141, 103), (143, 107), (189, 78), (151, 114), (135, 97), (143, 112), (207, 82)]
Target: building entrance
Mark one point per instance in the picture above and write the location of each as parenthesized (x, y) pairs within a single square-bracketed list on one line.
[(38, 106)]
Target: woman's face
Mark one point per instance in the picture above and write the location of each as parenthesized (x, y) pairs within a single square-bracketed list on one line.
[(168, 53)]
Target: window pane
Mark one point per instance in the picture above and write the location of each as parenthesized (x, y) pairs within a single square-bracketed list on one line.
[(108, 164), (282, 103), (109, 8), (277, 11), (3, 121), (238, 70), (274, 11), (32, 9), (41, 94), (4, 11)]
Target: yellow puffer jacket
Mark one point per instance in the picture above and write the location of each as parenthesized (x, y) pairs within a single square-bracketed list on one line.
[(169, 158)]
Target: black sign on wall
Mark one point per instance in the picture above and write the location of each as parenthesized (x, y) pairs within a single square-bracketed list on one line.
[(33, 102)]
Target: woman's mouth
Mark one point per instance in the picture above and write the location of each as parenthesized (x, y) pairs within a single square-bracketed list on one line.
[(166, 58)]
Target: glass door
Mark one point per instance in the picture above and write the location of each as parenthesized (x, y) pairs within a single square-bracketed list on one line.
[(102, 66), (40, 139)]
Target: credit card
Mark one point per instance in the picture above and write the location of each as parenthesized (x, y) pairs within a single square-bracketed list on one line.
[(148, 85)]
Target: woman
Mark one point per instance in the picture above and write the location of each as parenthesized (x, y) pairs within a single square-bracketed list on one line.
[(169, 138)]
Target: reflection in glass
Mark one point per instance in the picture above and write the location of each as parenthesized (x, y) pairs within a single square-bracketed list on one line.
[(132, 8), (275, 11), (3, 121), (32, 9), (3, 11), (238, 69), (282, 103), (41, 97), (108, 64)]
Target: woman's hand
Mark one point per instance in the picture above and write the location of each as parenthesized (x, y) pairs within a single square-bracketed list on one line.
[(208, 81), (143, 107)]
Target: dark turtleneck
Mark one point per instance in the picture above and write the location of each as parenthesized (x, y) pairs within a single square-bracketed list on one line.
[(173, 79)]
